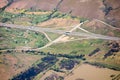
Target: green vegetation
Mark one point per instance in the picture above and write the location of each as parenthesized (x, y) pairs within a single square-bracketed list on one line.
[(6, 16), (33, 71), (12, 38), (116, 33), (83, 19), (69, 54), (68, 64), (48, 59), (57, 14), (76, 47), (33, 19), (52, 36), (39, 18)]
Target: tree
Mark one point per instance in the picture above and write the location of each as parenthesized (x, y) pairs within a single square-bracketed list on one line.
[(5, 20)]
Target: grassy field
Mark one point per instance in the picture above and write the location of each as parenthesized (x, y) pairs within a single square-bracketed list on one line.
[(15, 38), (52, 36), (111, 62), (76, 47)]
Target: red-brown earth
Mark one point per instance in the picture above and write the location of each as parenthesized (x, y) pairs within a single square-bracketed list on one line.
[(83, 8), (3, 3), (113, 17)]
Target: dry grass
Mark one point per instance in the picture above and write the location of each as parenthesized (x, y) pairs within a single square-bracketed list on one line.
[(14, 63), (88, 72), (59, 23)]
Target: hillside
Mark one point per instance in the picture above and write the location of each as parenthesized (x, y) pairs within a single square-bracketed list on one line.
[(59, 39), (3, 3), (108, 10), (113, 12)]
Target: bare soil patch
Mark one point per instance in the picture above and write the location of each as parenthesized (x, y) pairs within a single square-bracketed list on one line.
[(87, 8), (59, 23), (113, 17), (3, 3), (13, 64), (89, 72), (34, 4), (98, 27), (83, 8)]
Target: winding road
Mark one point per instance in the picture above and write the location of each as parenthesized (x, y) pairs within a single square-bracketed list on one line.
[(71, 33), (63, 32)]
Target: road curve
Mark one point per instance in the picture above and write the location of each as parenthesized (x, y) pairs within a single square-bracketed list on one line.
[(38, 29)]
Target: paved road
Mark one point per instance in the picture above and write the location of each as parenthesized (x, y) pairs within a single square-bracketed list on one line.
[(38, 29)]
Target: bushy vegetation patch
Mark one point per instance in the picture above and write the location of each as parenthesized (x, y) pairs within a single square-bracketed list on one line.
[(34, 70), (68, 64), (12, 38)]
